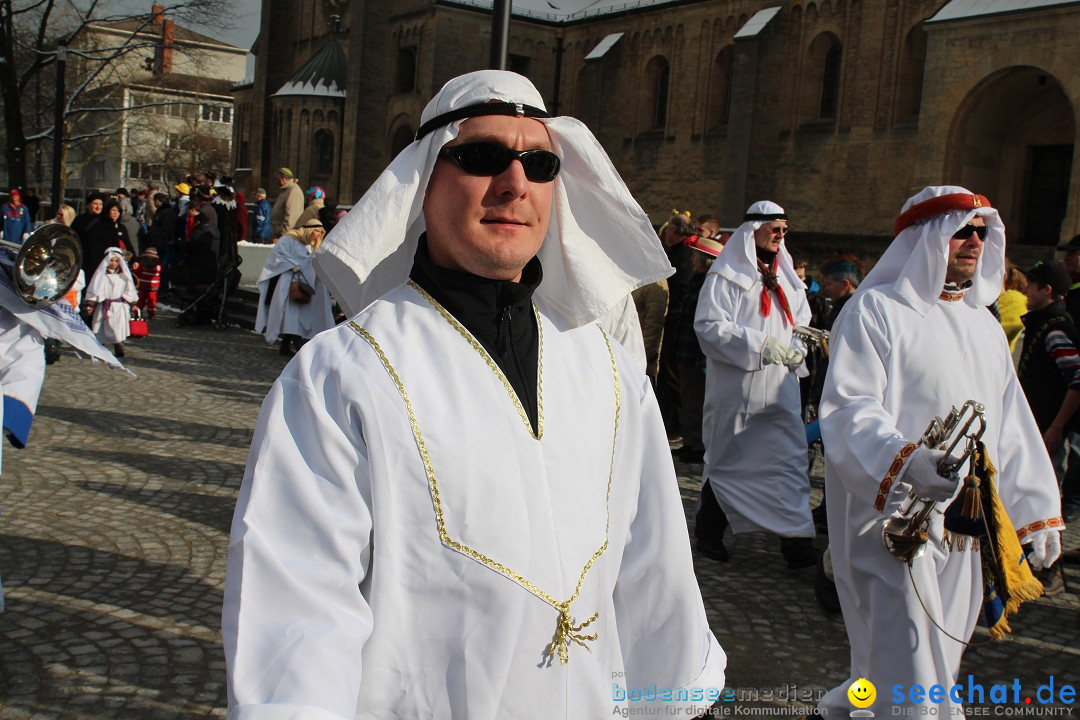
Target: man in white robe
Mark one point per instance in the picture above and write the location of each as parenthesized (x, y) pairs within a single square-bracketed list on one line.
[(914, 340), (460, 503), (755, 440)]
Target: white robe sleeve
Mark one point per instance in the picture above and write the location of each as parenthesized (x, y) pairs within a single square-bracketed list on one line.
[(860, 437), (663, 630), (1027, 485), (721, 338), (294, 620)]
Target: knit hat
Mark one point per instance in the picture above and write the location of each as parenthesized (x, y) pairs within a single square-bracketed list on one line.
[(285, 172)]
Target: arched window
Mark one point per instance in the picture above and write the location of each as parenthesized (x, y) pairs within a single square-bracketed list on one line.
[(401, 139), (910, 80), (830, 82), (655, 83), (324, 152), (720, 89), (819, 89)]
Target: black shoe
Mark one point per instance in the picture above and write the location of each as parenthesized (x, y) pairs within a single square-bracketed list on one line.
[(799, 552), (286, 347), (713, 549), (118, 350), (691, 455), (1053, 580), (825, 589)]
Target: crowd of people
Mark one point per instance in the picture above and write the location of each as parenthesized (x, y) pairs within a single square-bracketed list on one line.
[(475, 471)]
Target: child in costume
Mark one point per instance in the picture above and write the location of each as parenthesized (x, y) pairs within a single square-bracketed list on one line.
[(109, 298)]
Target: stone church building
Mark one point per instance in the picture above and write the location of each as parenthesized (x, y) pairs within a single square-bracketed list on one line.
[(836, 109)]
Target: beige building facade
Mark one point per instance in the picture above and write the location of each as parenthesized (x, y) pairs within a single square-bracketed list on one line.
[(838, 110)]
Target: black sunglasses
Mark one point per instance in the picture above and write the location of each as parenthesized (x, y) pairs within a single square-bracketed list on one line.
[(490, 158), (965, 232)]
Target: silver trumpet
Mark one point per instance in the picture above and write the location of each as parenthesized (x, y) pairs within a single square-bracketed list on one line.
[(814, 338), (44, 267), (905, 535)]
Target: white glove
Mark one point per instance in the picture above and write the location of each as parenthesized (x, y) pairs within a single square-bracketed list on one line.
[(794, 358), (1045, 548), (923, 477), (774, 351)]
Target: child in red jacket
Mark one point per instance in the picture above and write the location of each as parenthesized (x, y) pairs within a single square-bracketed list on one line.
[(147, 271)]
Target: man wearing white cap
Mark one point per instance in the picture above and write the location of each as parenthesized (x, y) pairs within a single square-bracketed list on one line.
[(755, 442), (460, 503), (914, 340)]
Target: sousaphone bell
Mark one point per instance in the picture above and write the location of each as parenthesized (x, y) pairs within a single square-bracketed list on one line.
[(44, 267)]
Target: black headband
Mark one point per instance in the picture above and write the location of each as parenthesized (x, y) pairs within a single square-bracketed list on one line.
[(469, 111), (765, 216)]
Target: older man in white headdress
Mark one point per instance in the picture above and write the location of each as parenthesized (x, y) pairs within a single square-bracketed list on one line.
[(460, 503), (914, 340), (755, 442)]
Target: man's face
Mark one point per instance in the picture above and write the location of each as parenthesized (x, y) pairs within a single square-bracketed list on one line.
[(489, 226), (836, 289), (259, 197), (770, 234), (95, 206), (1072, 264), (282, 181), (1038, 295), (964, 255)]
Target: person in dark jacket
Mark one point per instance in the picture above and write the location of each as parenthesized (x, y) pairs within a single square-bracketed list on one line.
[(677, 229), (94, 234), (198, 263), (263, 230)]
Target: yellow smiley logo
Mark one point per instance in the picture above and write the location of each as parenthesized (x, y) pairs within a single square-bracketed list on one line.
[(861, 693)]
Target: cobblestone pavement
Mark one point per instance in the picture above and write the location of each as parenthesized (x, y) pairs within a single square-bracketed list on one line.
[(114, 534)]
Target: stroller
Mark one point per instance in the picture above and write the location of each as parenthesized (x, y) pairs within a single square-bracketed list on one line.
[(204, 303)]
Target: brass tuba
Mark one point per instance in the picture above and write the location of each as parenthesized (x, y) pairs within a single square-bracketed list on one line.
[(44, 267), (905, 535)]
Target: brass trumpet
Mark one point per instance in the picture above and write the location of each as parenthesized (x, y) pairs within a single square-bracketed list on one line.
[(44, 267), (905, 535), (814, 338)]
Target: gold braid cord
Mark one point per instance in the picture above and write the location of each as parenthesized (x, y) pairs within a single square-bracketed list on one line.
[(565, 630)]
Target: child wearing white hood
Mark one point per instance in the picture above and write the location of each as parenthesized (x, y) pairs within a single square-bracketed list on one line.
[(109, 298)]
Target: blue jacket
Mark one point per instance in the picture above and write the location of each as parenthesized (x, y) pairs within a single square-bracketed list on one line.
[(17, 222), (262, 219)]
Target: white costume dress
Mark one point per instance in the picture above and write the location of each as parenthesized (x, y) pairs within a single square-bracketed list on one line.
[(112, 294), (755, 441), (283, 316), (900, 355), (335, 447), (405, 546)]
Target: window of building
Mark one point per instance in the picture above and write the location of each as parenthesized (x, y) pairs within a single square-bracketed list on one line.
[(324, 152), (655, 83), (830, 82), (720, 88), (910, 80), (405, 79)]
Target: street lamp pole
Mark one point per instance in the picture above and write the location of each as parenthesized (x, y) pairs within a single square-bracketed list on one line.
[(58, 127), (500, 33)]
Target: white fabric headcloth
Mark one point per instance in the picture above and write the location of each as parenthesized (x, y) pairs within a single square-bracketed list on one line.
[(738, 262), (599, 246), (916, 261), (97, 282)]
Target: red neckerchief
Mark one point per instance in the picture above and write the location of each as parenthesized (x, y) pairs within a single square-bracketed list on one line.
[(770, 281)]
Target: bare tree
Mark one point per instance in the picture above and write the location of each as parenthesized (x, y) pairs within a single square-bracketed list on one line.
[(30, 35)]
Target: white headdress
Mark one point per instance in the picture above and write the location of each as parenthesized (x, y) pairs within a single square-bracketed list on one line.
[(97, 282), (599, 246), (916, 261), (738, 262)]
